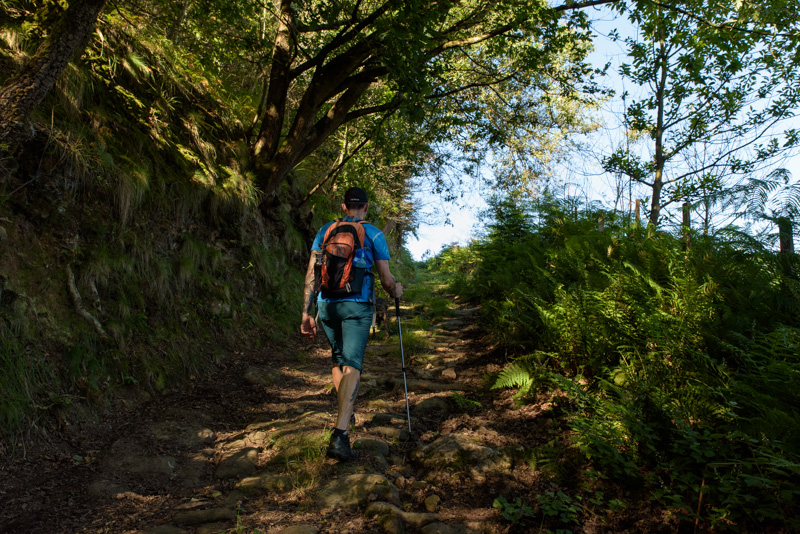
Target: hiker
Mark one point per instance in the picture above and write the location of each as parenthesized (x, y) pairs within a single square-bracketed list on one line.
[(346, 319)]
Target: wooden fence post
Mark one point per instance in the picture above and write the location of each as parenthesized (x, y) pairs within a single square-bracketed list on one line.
[(786, 238), (785, 235), (687, 224)]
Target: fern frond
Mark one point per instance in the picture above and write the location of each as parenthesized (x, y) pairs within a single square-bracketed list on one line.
[(515, 375), (643, 276), (136, 66)]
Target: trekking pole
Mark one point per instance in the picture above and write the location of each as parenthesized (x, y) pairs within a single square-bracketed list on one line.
[(402, 359)]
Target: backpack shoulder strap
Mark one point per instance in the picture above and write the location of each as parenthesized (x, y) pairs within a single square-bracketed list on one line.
[(366, 235), (330, 228), (360, 231)]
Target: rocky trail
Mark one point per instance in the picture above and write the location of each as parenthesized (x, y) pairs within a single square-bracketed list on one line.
[(243, 451)]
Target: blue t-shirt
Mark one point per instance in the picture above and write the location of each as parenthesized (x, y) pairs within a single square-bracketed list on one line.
[(377, 249)]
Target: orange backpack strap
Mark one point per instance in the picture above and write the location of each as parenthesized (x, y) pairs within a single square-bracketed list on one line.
[(362, 233)]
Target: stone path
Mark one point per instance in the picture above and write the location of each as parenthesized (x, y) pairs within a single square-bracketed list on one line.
[(271, 457), (195, 470)]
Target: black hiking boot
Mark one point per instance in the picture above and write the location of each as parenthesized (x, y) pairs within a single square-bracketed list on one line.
[(339, 447)]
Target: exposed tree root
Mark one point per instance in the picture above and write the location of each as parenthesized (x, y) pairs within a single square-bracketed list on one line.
[(76, 298)]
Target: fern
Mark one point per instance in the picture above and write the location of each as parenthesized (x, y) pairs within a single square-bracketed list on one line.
[(665, 361), (766, 198), (515, 375), (136, 65)]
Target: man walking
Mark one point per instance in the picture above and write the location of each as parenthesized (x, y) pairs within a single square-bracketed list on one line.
[(347, 319)]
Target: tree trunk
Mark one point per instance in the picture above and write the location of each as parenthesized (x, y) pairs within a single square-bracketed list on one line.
[(22, 93), (278, 89), (687, 225), (785, 236), (175, 31), (658, 177)]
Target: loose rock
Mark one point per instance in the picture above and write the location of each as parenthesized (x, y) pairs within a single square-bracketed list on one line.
[(432, 405), (432, 503), (389, 432), (356, 490), (240, 463), (209, 515), (373, 445), (385, 509), (461, 452), (267, 482), (392, 524), (387, 418)]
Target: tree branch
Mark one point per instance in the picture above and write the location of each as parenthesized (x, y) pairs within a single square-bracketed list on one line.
[(372, 110), (333, 119), (469, 86), (367, 74), (338, 168), (715, 163), (472, 40), (340, 39), (570, 6), (731, 26)]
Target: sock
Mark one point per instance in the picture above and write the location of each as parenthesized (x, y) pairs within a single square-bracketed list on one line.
[(337, 432)]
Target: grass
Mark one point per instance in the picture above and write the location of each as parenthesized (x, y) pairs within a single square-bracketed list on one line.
[(302, 457), (14, 379), (464, 403), (437, 308), (413, 343), (428, 307), (421, 322)]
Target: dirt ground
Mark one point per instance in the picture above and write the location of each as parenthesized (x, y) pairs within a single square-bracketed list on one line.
[(78, 477)]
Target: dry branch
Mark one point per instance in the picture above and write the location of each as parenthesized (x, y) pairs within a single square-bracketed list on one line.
[(76, 299)]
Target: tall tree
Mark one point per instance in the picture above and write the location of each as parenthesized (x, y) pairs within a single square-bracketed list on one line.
[(25, 90), (339, 61), (713, 91)]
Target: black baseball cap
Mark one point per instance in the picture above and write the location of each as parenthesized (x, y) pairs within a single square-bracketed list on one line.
[(355, 195)]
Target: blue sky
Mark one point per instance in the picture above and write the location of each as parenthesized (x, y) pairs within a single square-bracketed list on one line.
[(434, 233)]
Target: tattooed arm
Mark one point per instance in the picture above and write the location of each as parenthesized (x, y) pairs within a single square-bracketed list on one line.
[(308, 327)]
